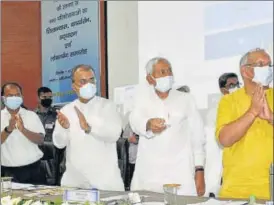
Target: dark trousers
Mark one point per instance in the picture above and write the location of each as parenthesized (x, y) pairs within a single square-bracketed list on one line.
[(29, 174), (131, 168), (131, 171)]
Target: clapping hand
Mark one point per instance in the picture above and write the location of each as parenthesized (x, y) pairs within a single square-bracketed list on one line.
[(12, 123), (257, 102), (19, 123), (266, 113), (82, 120), (63, 120)]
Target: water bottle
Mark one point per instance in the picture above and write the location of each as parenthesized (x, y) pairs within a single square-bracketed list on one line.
[(271, 176)]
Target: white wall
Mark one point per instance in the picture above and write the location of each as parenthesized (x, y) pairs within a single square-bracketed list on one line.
[(176, 30), (122, 18), (140, 30)]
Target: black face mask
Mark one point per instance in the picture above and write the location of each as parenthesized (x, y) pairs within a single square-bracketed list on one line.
[(46, 102)]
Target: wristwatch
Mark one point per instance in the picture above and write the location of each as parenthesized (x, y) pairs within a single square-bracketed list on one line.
[(7, 131), (88, 130), (199, 169)]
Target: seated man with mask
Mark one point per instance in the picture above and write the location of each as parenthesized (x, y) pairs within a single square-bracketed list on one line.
[(245, 130), (89, 127), (171, 143), (21, 133)]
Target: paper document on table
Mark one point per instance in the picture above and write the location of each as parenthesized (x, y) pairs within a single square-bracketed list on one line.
[(217, 202), (119, 197), (17, 186)]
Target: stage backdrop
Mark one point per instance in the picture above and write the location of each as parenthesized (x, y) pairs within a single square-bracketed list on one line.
[(70, 36)]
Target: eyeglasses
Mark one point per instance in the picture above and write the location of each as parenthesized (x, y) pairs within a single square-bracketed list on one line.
[(260, 64)]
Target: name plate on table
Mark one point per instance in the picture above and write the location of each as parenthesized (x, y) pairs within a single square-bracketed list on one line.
[(92, 195)]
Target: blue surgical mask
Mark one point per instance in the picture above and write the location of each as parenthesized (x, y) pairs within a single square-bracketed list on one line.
[(88, 91), (164, 84), (13, 102), (263, 75)]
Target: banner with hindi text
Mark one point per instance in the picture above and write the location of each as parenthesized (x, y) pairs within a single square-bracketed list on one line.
[(70, 36)]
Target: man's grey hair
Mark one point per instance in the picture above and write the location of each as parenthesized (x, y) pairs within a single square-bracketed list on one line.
[(245, 57), (82, 66), (152, 62)]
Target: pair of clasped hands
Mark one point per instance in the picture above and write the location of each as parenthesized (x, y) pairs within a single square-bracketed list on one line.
[(259, 106), (64, 122), (16, 122)]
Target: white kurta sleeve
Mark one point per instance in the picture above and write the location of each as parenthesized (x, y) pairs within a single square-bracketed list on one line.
[(107, 125), (197, 133), (138, 121), (60, 136), (36, 125)]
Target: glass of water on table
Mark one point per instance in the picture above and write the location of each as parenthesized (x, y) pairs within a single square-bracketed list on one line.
[(170, 193), (6, 186)]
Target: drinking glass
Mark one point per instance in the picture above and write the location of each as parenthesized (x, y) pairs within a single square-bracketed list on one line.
[(170, 193), (6, 188)]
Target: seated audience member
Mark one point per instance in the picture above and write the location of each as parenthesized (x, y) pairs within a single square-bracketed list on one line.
[(89, 127), (21, 133), (245, 130), (48, 115), (171, 144)]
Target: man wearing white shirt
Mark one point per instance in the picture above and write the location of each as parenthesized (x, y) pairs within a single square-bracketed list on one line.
[(21, 133), (171, 144), (89, 127)]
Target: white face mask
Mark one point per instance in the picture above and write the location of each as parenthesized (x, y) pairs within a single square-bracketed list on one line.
[(263, 75), (232, 90), (88, 91), (164, 84)]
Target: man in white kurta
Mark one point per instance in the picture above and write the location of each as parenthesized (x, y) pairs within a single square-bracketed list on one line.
[(89, 128), (171, 144)]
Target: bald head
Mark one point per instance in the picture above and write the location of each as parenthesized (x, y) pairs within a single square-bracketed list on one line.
[(10, 89), (82, 75), (79, 69)]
